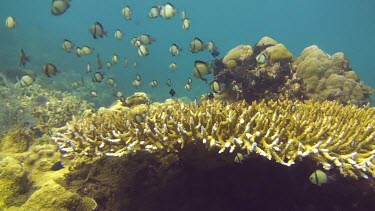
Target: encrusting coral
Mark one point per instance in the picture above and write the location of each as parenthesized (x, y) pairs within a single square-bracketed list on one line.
[(27, 179), (335, 136)]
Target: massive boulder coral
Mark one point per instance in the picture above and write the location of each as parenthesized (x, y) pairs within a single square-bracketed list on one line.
[(13, 181), (266, 74), (266, 42), (333, 135), (53, 196), (28, 181), (136, 99), (278, 53), (26, 160), (330, 77), (238, 53)]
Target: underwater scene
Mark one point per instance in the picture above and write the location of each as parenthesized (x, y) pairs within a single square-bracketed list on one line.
[(187, 105)]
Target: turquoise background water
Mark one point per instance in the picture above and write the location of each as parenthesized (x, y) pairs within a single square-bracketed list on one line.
[(335, 26)]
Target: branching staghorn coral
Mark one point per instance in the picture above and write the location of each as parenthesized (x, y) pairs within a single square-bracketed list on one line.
[(22, 107), (335, 136)]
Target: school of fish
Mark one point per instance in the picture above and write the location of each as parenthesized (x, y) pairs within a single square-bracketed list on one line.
[(141, 42)]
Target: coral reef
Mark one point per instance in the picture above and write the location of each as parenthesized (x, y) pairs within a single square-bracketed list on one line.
[(330, 77), (27, 181), (138, 155), (272, 72), (266, 42), (52, 108), (238, 54), (37, 108), (14, 181), (167, 181), (252, 79), (26, 154), (333, 135), (136, 99), (53, 196), (278, 53)]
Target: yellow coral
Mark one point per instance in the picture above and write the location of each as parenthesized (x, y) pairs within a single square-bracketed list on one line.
[(52, 196), (265, 41), (330, 77), (136, 99), (333, 135), (231, 64), (241, 52), (278, 53)]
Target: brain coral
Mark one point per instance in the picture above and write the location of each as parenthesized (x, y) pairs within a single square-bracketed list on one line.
[(330, 77), (335, 136)]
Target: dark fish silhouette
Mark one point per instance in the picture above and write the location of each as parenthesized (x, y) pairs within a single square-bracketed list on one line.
[(57, 166), (172, 92), (215, 53), (23, 58)]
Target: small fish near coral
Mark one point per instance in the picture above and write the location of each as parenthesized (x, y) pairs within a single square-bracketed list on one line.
[(172, 92), (57, 166), (320, 178)]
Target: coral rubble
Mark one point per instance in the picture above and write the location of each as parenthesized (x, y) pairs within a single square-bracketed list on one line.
[(333, 135)]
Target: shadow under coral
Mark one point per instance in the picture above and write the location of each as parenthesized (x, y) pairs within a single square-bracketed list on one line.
[(171, 182)]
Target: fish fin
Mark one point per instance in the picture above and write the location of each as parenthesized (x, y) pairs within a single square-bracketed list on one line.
[(201, 76), (94, 33)]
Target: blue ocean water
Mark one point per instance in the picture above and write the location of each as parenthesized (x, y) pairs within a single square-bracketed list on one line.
[(335, 26)]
